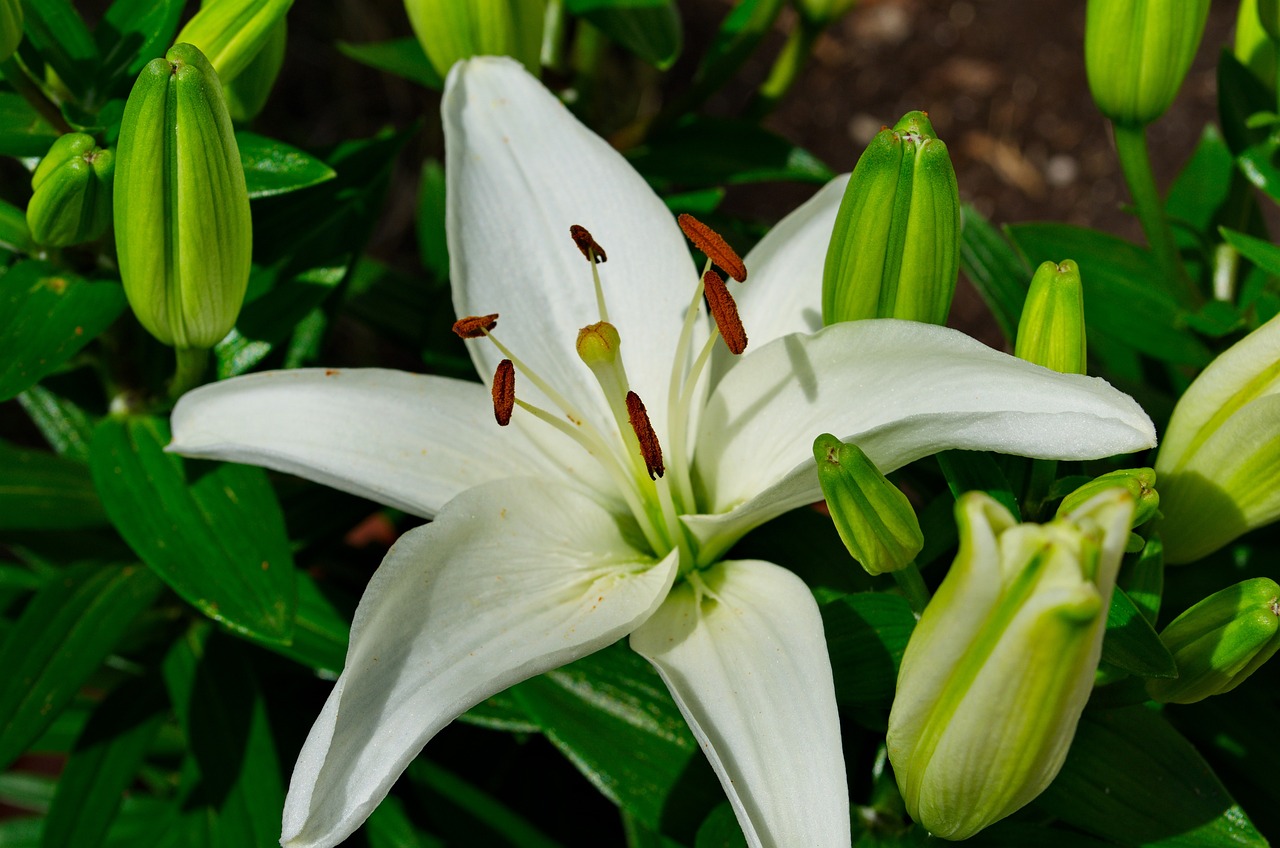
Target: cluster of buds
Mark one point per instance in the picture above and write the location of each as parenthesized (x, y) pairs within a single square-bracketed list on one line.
[(71, 192)]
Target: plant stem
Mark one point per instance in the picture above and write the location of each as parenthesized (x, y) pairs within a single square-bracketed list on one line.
[(190, 371), (913, 587), (16, 76), (1135, 162), (786, 68)]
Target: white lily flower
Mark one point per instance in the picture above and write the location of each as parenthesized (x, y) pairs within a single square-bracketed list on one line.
[(555, 536)]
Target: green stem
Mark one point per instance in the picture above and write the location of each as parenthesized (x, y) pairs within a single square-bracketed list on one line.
[(16, 76), (1135, 162), (190, 371), (1043, 473), (786, 69), (913, 587)]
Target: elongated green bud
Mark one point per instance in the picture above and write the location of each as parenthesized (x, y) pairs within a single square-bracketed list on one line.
[(1219, 461), (1137, 53), (895, 248), (1220, 641), (1000, 666), (183, 233), (450, 31), (1051, 329), (248, 92), (71, 200), (874, 519), (10, 27), (1140, 483), (231, 33)]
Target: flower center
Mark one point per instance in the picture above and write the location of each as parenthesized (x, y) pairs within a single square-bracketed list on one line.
[(630, 452)]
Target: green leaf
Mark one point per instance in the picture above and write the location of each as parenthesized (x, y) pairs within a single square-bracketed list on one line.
[(1204, 183), (130, 34), (1260, 252), (486, 820), (611, 715), (429, 226), (1123, 299), (103, 765), (1240, 96), (59, 34), (705, 152), (23, 132), (403, 57), (995, 269), (46, 317), (389, 826), (1131, 644), (273, 167), (968, 471), (866, 636), (65, 426), (62, 637), (44, 491), (737, 38), (500, 712), (213, 532), (648, 28), (1143, 579), (320, 632), (720, 830), (15, 236), (1132, 779), (267, 323)]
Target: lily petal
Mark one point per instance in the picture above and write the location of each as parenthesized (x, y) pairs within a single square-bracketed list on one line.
[(900, 390), (520, 171), (746, 661), (783, 293), (410, 441), (514, 578)]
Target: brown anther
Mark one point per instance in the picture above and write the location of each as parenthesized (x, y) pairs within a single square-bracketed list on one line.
[(650, 450), (725, 311), (590, 248), (475, 326), (716, 248), (504, 392)]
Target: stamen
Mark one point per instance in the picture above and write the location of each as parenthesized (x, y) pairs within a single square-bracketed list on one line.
[(504, 392), (650, 450), (714, 246), (590, 248), (475, 326), (725, 311)]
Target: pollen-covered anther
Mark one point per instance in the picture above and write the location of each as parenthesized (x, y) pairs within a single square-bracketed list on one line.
[(725, 312), (504, 392), (475, 326), (650, 450), (714, 246), (590, 248)]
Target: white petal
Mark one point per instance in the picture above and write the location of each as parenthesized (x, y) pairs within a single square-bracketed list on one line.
[(783, 291), (410, 441), (900, 390), (514, 578), (520, 171), (747, 664)]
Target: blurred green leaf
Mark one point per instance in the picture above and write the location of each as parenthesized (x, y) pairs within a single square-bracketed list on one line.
[(23, 132), (65, 426), (867, 633), (500, 712), (103, 765), (433, 249), (62, 637), (1240, 96), (968, 471), (720, 830), (1132, 779), (1132, 644), (648, 28), (740, 33), (46, 316), (267, 323), (1260, 252), (403, 57), (611, 715), (995, 269), (272, 167), (1203, 185), (56, 30), (213, 532), (26, 791), (320, 632), (388, 826), (485, 819), (704, 152), (44, 491), (130, 34), (14, 234)]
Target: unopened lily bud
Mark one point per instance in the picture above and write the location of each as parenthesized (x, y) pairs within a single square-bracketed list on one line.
[(1220, 641), (874, 519), (71, 192), (895, 248), (1000, 666), (1255, 49), (183, 232), (1137, 52), (450, 31), (1140, 483), (231, 33), (1051, 329), (10, 27), (248, 92), (1219, 462)]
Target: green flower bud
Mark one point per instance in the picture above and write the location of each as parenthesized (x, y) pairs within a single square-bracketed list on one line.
[(895, 248), (71, 200), (231, 33), (183, 233), (248, 92), (449, 31), (1137, 52), (1219, 462), (1253, 47), (10, 27), (872, 516), (999, 668), (1051, 329), (1220, 641), (1138, 482)]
